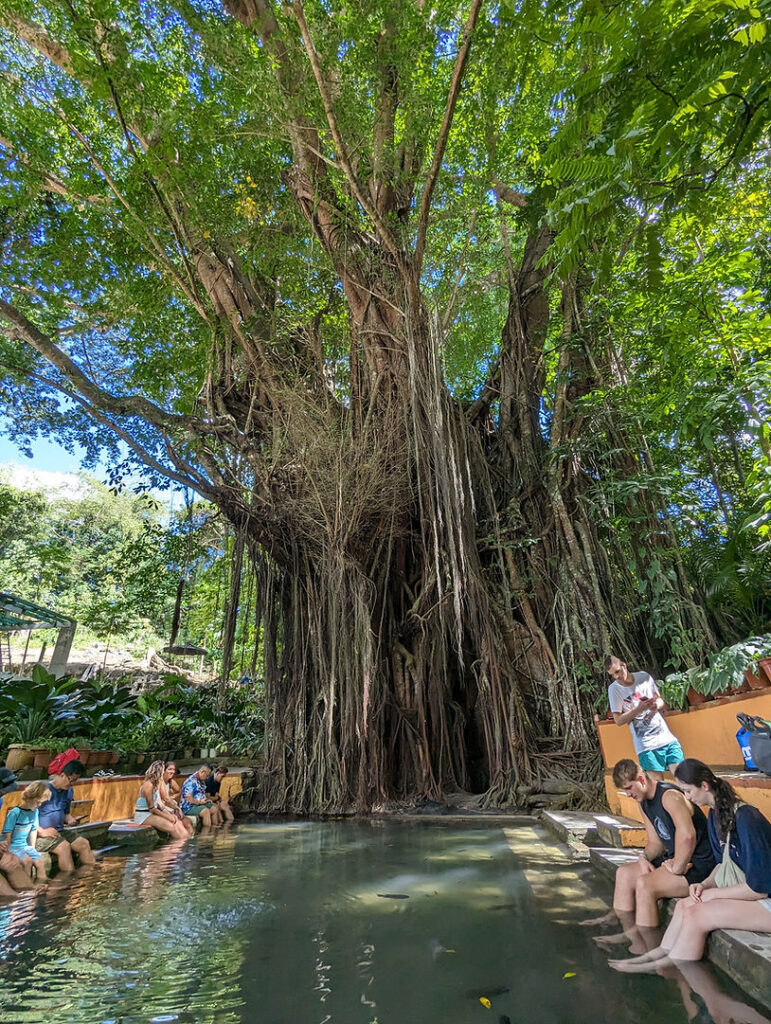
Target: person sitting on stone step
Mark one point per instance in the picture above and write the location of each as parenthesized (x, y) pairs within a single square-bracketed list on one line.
[(221, 811), (736, 893), (150, 810), (20, 830), (676, 855), (13, 877), (55, 815), (169, 790), (194, 799)]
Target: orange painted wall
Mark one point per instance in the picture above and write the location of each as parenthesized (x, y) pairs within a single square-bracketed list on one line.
[(753, 787), (114, 798), (707, 731)]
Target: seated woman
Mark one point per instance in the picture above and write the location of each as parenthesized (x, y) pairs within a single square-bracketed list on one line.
[(169, 790), (735, 894), (20, 829), (150, 811)]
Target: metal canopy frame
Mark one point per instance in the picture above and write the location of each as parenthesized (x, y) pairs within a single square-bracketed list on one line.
[(19, 614)]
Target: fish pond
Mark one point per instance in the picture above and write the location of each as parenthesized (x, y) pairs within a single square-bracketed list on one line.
[(341, 922)]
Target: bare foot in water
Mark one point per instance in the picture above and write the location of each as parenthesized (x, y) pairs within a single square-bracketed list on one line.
[(636, 966), (591, 922), (611, 940), (643, 958)]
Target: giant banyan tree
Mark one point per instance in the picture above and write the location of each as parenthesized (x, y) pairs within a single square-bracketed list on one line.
[(309, 261)]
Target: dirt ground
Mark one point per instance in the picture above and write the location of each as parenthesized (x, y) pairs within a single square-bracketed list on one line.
[(115, 662)]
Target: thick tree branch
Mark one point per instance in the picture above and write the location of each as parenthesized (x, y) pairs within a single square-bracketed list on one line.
[(37, 37), (183, 474), (508, 195), (444, 132), (49, 181), (126, 405), (357, 190)]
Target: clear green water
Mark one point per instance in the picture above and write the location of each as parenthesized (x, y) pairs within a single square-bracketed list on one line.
[(282, 924)]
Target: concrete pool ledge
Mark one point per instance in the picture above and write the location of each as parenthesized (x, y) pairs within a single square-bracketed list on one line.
[(744, 956)]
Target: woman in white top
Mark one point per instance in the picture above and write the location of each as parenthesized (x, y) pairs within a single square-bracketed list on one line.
[(150, 810)]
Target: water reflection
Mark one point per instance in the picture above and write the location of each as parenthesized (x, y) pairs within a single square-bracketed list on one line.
[(279, 924)]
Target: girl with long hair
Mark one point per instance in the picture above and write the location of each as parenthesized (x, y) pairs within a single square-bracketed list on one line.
[(150, 810), (735, 894)]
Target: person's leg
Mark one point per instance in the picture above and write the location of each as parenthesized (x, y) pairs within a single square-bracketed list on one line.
[(161, 824), (15, 874), (6, 889), (205, 817), (63, 853), (39, 869), (668, 940), (700, 919), (82, 848), (179, 830), (226, 811), (624, 892), (640, 940), (654, 762), (673, 755), (594, 922), (652, 887)]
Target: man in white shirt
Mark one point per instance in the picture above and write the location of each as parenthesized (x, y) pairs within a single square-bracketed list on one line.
[(635, 701)]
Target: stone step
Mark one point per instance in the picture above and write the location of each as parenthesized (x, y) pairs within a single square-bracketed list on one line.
[(572, 826), (620, 833), (94, 831), (745, 957), (606, 861), (131, 836)]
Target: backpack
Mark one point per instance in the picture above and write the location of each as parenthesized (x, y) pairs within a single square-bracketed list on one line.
[(759, 740), (61, 760)]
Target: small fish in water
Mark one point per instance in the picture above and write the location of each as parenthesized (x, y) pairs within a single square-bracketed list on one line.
[(393, 896), (503, 1019), (505, 906), (436, 948), (492, 990)]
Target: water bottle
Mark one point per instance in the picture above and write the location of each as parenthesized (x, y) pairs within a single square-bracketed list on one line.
[(743, 737)]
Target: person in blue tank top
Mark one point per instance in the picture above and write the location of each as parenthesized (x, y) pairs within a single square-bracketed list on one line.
[(677, 853), (13, 878), (20, 829), (736, 893)]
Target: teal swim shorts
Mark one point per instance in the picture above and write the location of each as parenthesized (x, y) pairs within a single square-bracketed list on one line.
[(658, 759)]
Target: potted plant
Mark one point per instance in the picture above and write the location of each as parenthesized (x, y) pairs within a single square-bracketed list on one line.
[(726, 671), (44, 756), (758, 672), (42, 706), (19, 756)]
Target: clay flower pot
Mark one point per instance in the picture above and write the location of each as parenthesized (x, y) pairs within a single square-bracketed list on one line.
[(754, 682), (694, 697), (764, 669), (19, 757)]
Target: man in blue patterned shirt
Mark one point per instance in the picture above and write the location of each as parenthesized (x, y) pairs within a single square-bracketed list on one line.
[(194, 800)]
